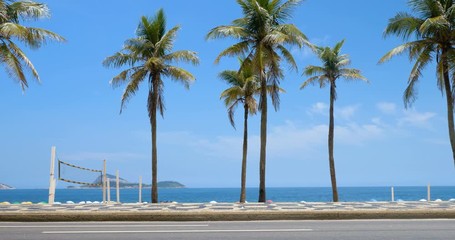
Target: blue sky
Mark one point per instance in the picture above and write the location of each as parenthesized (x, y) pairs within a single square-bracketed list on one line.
[(377, 141)]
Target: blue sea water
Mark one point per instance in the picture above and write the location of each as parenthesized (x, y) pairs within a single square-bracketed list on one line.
[(201, 195)]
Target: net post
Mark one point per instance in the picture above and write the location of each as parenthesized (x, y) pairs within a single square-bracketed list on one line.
[(140, 189), (52, 181), (428, 193), (104, 181), (393, 194), (108, 190), (118, 186)]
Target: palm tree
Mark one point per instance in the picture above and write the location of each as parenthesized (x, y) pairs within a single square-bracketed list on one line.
[(243, 87), (263, 37), (149, 57), (11, 30), (433, 28), (333, 68)]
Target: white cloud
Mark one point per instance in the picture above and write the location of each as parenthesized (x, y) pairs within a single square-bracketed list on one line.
[(387, 107), (319, 108), (347, 112), (416, 119), (355, 134), (288, 139)]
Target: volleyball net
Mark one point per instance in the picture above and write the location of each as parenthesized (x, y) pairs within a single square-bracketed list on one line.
[(79, 175)]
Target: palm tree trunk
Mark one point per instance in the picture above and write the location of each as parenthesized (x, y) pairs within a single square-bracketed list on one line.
[(449, 98), (331, 135), (245, 150), (153, 100), (262, 156)]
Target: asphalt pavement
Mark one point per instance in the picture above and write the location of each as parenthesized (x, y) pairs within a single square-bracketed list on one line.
[(442, 229)]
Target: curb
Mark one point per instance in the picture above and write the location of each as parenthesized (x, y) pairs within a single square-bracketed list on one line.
[(225, 215)]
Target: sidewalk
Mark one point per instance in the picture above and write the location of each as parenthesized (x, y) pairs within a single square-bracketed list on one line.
[(226, 211)]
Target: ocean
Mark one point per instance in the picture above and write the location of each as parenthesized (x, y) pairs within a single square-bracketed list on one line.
[(203, 195)]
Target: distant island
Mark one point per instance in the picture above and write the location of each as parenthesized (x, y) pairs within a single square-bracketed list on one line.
[(4, 186), (123, 183)]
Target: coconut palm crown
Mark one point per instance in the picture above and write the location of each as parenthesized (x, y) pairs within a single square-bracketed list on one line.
[(243, 88), (263, 36), (149, 57), (334, 67), (12, 13), (429, 32)]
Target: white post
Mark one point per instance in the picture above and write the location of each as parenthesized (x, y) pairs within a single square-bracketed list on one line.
[(108, 190), (118, 186), (52, 181), (104, 181), (393, 194), (428, 193), (140, 189)]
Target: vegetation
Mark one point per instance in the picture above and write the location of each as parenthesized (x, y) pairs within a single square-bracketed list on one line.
[(244, 86), (11, 31), (262, 36), (149, 57), (433, 27), (333, 68)]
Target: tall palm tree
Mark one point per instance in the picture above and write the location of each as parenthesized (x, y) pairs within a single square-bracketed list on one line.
[(263, 37), (243, 87), (11, 55), (149, 56), (432, 26), (334, 67)]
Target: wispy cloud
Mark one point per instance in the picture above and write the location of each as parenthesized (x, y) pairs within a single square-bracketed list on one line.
[(387, 107), (347, 112), (416, 119), (319, 108), (288, 139), (344, 112)]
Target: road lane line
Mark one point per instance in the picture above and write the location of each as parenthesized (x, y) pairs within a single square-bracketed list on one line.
[(181, 231), (100, 226)]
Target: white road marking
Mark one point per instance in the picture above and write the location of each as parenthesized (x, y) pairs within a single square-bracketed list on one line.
[(182, 231), (99, 226)]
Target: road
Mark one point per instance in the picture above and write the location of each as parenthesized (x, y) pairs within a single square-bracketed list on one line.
[(264, 230)]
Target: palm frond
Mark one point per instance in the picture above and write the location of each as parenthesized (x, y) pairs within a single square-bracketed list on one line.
[(313, 70), (352, 74), (119, 59), (32, 37), (435, 23), (166, 43), (183, 56), (13, 65), (124, 76), (236, 32), (231, 112), (284, 11), (27, 10), (237, 49), (396, 51), (288, 57), (180, 75), (231, 77), (403, 25), (16, 51), (133, 85)]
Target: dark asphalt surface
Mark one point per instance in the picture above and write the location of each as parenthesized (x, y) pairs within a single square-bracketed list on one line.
[(265, 230)]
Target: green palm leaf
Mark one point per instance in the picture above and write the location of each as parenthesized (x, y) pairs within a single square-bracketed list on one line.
[(16, 62)]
